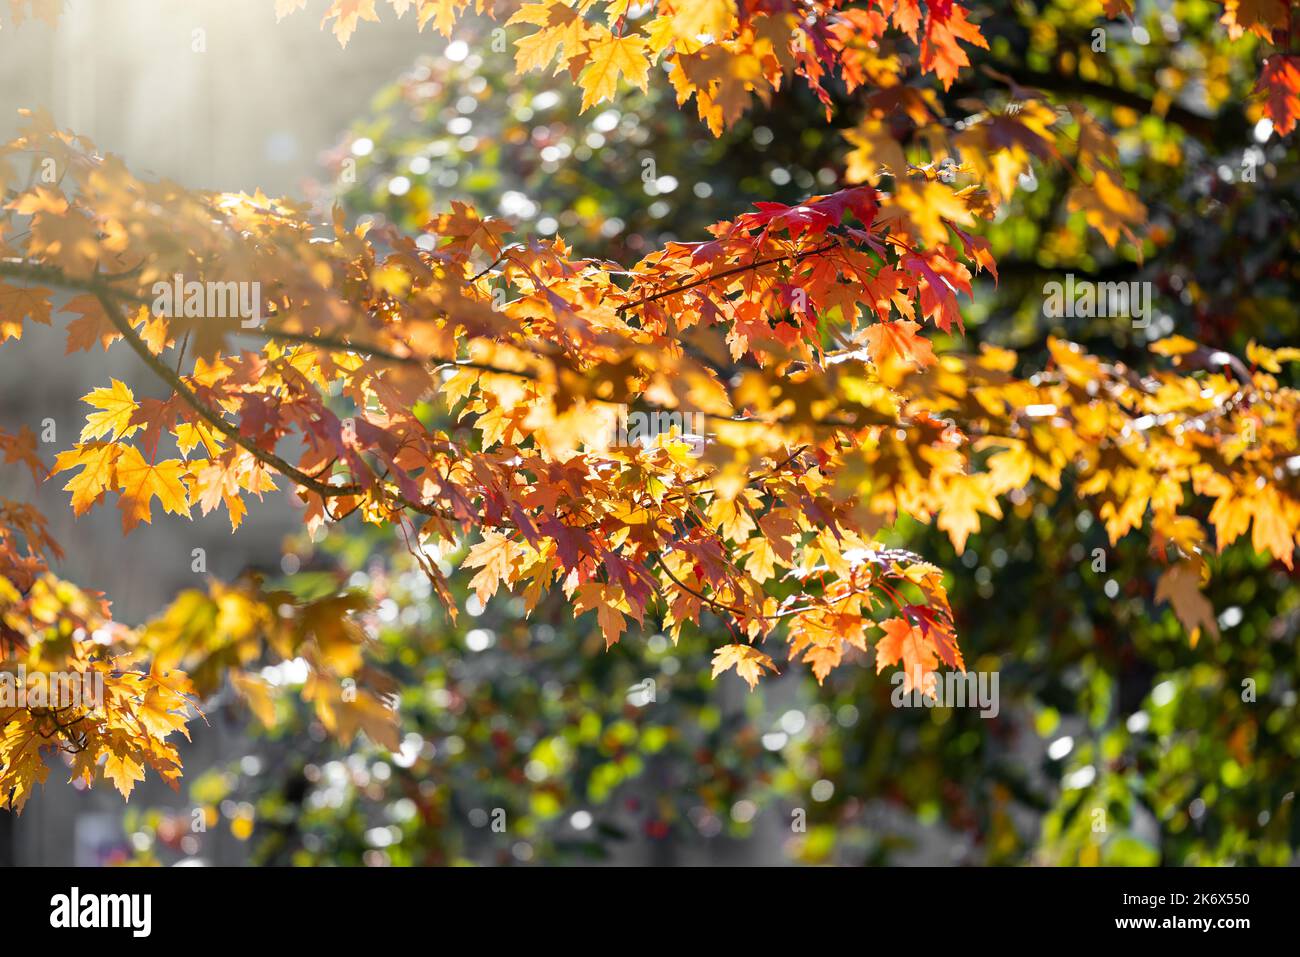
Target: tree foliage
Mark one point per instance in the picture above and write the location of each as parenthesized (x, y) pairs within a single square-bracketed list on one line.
[(463, 383)]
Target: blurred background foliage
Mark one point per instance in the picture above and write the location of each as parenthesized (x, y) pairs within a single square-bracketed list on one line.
[(1115, 741)]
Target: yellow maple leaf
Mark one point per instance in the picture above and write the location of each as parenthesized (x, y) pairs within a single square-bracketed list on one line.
[(696, 17), (97, 461), (1108, 206), (123, 772), (965, 496), (346, 14), (609, 58), (923, 206), (18, 303), (1180, 585), (162, 712), (609, 604), (748, 661), (116, 405), (875, 153), (141, 482), (495, 559)]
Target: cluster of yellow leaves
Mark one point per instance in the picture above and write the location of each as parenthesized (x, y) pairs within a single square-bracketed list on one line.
[(725, 53), (72, 681), (538, 378), (806, 450), (794, 333), (236, 632), (110, 465), (123, 690), (131, 691), (722, 53), (83, 697), (995, 149), (1142, 450)]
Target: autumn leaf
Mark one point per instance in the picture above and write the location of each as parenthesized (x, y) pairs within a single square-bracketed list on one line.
[(257, 694), (346, 14), (712, 17), (1279, 81), (1108, 206), (495, 558), (610, 57), (608, 603), (92, 326), (748, 661), (1260, 17), (19, 303), (899, 338), (97, 461), (964, 498), (940, 48), (876, 153), (123, 771), (141, 482), (906, 643), (1180, 585), (116, 405), (162, 711)]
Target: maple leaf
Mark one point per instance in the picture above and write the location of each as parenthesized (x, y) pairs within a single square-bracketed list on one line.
[(899, 338), (327, 622), (467, 230), (257, 694), (1271, 532), (1108, 206), (346, 14), (928, 207), (1260, 17), (608, 58), (18, 303), (563, 32), (875, 152), (906, 14), (116, 406), (1279, 80), (605, 600), (98, 461), (92, 325), (1180, 585), (21, 448), (285, 7), (495, 557), (714, 18), (344, 714), (140, 482), (161, 711), (940, 51), (123, 771), (68, 238), (964, 497), (748, 661), (907, 643), (367, 713)]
